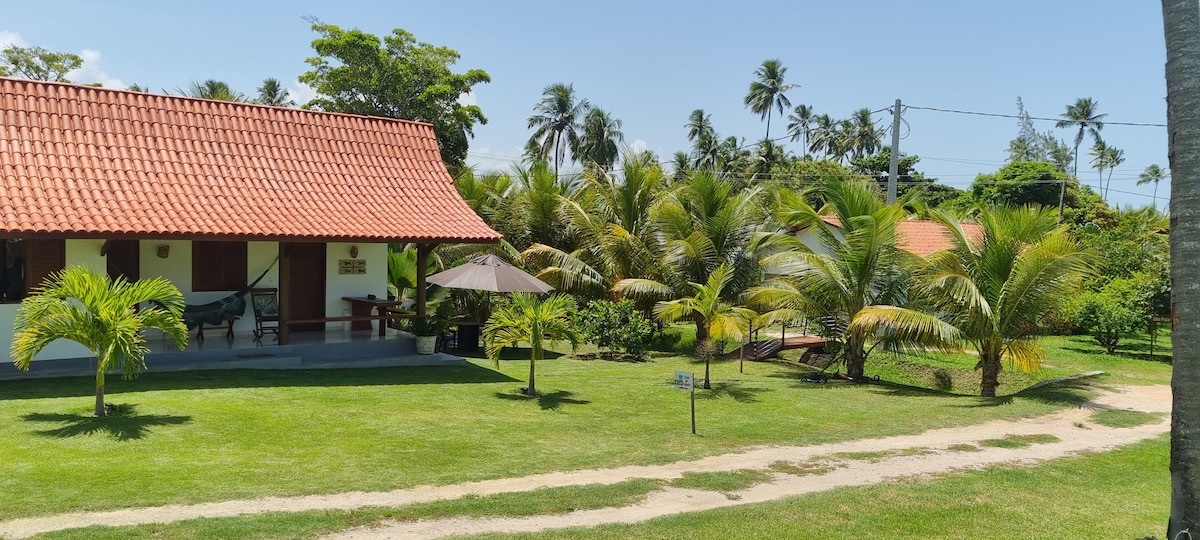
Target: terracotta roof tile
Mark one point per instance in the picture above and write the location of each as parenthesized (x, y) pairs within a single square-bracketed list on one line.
[(922, 237), (86, 161)]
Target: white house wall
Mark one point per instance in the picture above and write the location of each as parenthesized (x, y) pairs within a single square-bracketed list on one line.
[(177, 267)]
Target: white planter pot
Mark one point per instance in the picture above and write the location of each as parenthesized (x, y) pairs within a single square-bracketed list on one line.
[(426, 344)]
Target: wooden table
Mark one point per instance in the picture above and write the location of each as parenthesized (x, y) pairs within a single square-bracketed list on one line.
[(361, 306)]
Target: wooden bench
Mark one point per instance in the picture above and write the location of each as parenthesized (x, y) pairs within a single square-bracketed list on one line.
[(228, 327)]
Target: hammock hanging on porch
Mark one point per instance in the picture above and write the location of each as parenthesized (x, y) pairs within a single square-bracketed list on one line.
[(215, 313)]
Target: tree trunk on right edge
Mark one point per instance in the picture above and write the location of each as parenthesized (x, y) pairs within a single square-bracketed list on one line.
[(100, 411), (1181, 27)]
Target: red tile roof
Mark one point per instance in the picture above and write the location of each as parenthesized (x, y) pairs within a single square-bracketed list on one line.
[(81, 161), (922, 237)]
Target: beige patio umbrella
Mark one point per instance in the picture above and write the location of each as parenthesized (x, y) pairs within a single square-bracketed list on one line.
[(489, 273)]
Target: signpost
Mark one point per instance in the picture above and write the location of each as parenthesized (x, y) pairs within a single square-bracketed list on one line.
[(684, 380)]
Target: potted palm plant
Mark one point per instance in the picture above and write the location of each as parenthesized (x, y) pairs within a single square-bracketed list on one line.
[(428, 330)]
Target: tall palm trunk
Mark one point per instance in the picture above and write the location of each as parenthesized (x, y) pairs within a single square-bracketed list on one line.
[(856, 355), (1181, 25), (989, 364), (100, 410)]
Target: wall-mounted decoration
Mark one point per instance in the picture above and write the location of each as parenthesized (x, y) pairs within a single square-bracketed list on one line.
[(352, 266)]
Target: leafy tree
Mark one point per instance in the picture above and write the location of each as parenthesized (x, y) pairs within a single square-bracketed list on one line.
[(600, 139), (556, 121), (1057, 152), (1022, 183), (769, 91), (1153, 174), (37, 63), (273, 93), (211, 89), (990, 290), (707, 307), (848, 267), (1085, 114), (396, 77), (1114, 310), (525, 319), (83, 305), (616, 325), (1028, 144)]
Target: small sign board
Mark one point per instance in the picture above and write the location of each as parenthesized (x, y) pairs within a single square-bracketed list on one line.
[(683, 380), (352, 266)]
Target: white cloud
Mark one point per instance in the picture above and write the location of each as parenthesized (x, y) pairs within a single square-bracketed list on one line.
[(11, 38), (301, 93), (468, 99), (91, 72)]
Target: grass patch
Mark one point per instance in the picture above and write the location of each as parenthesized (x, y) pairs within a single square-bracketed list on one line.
[(544, 501), (1020, 441), (1120, 494), (877, 456), (807, 468), (964, 447), (1125, 419), (721, 481)]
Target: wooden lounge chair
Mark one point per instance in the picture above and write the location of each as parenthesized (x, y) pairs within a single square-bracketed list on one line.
[(265, 302)]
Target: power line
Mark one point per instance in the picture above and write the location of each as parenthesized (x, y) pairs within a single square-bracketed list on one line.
[(1017, 116)]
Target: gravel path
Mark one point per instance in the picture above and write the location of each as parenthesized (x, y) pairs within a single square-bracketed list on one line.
[(1073, 428)]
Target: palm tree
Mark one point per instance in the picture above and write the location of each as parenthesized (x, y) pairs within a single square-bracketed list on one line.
[(708, 308), (1085, 114), (992, 290), (699, 125), (824, 132), (212, 89), (768, 92), (799, 123), (1154, 174), (600, 139), (1099, 153), (556, 121), (864, 137), (273, 93), (83, 305), (1181, 26), (853, 265), (525, 319)]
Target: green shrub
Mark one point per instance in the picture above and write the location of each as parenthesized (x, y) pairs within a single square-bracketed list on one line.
[(616, 326), (1117, 308)]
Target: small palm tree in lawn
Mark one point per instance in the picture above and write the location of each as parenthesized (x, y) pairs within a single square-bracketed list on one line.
[(526, 319), (722, 319), (769, 91), (991, 290), (1085, 114), (1154, 174), (83, 305)]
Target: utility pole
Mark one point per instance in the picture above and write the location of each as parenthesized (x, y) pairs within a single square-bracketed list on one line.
[(894, 166)]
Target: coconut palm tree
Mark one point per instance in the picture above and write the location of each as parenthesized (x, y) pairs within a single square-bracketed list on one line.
[(1100, 161), (1154, 174), (865, 138), (611, 221), (600, 139), (769, 91), (273, 93), (83, 305), (526, 319), (1181, 26), (708, 308), (992, 290), (556, 122), (212, 89), (799, 123), (850, 266), (1115, 158), (824, 132), (1085, 114)]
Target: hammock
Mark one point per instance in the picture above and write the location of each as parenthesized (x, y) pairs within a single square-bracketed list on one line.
[(215, 313)]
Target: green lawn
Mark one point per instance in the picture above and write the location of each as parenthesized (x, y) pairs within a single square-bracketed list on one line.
[(210, 436), (1122, 494)]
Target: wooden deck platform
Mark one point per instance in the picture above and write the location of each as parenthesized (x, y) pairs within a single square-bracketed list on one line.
[(758, 350)]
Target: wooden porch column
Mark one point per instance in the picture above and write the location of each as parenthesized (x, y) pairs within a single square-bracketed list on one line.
[(285, 273), (423, 251)]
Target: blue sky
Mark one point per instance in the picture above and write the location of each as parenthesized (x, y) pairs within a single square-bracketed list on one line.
[(651, 63)]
